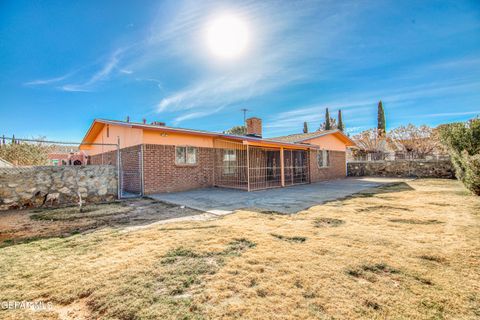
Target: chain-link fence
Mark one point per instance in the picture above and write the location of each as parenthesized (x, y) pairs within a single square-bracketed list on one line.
[(393, 156), (17, 154)]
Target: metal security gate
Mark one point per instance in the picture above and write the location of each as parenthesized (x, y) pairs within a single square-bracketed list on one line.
[(264, 168), (131, 172), (296, 167)]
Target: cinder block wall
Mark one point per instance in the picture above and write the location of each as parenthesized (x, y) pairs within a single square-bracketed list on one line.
[(336, 170), (162, 174)]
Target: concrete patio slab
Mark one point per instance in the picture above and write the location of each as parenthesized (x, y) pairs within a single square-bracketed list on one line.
[(285, 200)]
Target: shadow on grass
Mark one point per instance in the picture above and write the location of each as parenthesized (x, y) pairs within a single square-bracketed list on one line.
[(25, 226)]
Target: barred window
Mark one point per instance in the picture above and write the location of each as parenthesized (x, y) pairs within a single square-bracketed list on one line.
[(323, 158), (185, 155)]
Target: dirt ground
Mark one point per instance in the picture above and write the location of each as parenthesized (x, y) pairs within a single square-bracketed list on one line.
[(409, 251), (20, 226)]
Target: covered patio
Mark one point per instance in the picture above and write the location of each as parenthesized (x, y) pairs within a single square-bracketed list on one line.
[(253, 166)]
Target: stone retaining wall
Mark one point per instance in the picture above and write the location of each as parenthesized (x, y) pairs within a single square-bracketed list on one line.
[(402, 168), (45, 186)]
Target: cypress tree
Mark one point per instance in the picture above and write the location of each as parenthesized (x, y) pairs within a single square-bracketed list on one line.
[(305, 127), (340, 125), (382, 125), (328, 125), (13, 139)]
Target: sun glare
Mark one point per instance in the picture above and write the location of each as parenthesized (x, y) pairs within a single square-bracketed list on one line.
[(227, 37)]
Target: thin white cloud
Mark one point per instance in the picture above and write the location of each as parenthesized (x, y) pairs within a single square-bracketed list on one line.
[(449, 114), (227, 89), (262, 70), (195, 115), (359, 104), (100, 75), (48, 81)]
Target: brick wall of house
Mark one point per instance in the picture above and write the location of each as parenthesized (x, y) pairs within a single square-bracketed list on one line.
[(131, 169), (130, 173), (336, 170), (109, 158), (162, 174)]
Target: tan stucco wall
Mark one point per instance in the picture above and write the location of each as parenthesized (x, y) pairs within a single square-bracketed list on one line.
[(328, 142), (176, 139), (128, 137)]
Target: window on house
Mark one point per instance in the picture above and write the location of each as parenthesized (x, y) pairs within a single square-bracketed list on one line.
[(108, 131), (229, 160), (185, 155), (323, 158)]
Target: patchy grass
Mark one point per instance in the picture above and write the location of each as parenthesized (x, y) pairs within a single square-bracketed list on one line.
[(234, 268), (289, 239), (433, 258), (74, 213), (327, 222), (382, 208), (415, 221), (23, 226)]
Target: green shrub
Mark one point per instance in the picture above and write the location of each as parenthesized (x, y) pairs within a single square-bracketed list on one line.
[(463, 143)]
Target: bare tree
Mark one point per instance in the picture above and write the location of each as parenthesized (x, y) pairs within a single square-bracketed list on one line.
[(26, 153), (369, 141), (416, 141)]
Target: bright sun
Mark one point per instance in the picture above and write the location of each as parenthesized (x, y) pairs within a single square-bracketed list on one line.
[(227, 37)]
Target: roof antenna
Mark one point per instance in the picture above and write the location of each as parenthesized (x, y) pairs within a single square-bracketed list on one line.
[(244, 110)]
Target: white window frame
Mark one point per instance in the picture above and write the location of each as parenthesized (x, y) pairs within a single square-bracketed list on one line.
[(187, 151), (325, 158), (229, 161)]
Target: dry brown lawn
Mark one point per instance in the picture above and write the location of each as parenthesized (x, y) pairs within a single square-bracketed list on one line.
[(400, 252)]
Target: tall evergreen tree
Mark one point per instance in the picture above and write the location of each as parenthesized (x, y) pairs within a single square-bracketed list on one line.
[(305, 127), (328, 125), (13, 139), (382, 125), (340, 125)]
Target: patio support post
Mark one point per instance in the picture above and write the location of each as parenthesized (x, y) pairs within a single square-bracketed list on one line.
[(248, 167), (119, 172), (282, 167)]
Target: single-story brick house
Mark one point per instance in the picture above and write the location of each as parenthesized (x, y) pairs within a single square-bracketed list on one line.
[(156, 158)]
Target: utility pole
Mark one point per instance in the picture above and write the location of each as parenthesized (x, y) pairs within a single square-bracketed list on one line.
[(244, 110)]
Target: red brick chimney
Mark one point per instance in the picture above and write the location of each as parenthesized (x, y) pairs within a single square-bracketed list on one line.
[(254, 127)]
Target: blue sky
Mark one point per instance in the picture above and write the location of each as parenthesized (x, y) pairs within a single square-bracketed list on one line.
[(64, 63)]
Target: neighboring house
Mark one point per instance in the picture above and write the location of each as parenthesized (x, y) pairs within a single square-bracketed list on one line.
[(155, 158), (5, 163), (67, 158)]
